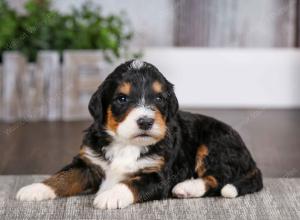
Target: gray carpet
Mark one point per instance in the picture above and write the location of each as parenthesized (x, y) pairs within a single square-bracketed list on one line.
[(280, 199)]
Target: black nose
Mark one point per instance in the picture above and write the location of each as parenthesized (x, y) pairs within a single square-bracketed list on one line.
[(145, 123)]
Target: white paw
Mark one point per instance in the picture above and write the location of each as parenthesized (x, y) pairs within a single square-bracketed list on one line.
[(35, 192), (119, 196), (189, 189), (229, 191)]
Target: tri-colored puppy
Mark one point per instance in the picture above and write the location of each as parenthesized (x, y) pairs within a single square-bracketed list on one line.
[(141, 148)]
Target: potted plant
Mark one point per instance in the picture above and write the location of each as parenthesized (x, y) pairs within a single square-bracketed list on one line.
[(40, 29), (44, 28)]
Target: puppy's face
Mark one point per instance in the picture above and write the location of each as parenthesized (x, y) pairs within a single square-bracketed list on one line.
[(135, 104)]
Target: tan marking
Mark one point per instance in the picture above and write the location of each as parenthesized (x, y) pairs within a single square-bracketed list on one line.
[(125, 88), (83, 156), (161, 121), (111, 122), (129, 184), (157, 87), (252, 173), (74, 181), (67, 183), (158, 166), (210, 182), (202, 152), (134, 178), (82, 151)]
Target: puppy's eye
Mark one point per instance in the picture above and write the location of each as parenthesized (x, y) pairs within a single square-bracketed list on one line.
[(122, 99), (158, 99)]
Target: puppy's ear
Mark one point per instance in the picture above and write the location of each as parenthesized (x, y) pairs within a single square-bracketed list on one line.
[(97, 104), (172, 101)]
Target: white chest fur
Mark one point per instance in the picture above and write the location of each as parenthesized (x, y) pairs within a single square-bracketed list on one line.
[(121, 161), (122, 158)]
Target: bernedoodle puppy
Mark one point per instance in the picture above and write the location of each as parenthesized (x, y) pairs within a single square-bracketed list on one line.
[(140, 147)]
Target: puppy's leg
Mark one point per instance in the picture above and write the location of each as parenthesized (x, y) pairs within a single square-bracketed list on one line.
[(139, 188), (199, 186), (76, 178), (194, 187)]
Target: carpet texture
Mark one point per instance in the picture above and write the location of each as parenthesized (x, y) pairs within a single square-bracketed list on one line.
[(280, 199)]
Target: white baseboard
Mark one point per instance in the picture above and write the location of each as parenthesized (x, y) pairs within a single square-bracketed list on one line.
[(231, 78)]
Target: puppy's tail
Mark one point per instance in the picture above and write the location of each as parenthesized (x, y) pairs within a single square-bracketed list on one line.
[(251, 183)]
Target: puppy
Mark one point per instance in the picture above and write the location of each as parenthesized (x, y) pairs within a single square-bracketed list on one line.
[(140, 147)]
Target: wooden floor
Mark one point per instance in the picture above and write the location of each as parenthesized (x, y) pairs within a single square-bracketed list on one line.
[(273, 137)]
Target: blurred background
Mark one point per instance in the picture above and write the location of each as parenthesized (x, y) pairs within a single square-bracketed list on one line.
[(237, 61)]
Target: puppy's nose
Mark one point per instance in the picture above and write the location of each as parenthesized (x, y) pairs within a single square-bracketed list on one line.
[(145, 123)]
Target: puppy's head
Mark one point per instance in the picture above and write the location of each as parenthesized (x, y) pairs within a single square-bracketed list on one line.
[(135, 103)]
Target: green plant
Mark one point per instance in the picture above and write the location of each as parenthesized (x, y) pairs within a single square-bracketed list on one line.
[(8, 25), (43, 28)]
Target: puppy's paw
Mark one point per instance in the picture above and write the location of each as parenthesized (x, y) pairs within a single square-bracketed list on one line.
[(35, 192), (189, 189), (119, 196)]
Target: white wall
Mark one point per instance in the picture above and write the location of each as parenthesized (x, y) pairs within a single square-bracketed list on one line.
[(231, 78)]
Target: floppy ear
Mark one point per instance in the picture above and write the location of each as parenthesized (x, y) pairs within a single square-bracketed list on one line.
[(172, 101), (97, 104)]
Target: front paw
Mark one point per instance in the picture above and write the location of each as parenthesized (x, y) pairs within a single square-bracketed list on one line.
[(35, 192), (119, 196)]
